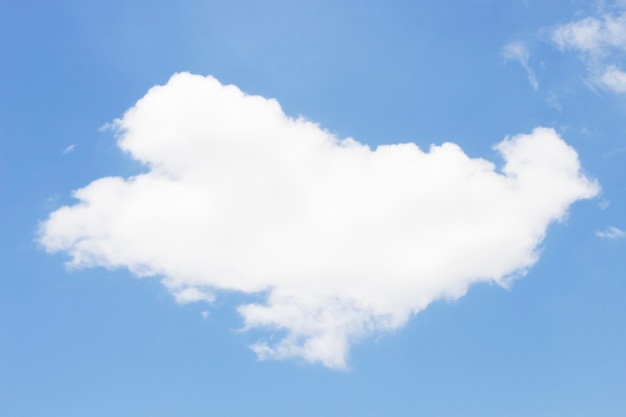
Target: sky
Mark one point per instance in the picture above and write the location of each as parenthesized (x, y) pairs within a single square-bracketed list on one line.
[(313, 208)]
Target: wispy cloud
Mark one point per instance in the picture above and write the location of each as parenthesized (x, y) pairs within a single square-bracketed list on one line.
[(518, 51), (69, 149), (192, 295), (614, 79), (341, 241), (610, 233), (601, 42), (593, 35), (604, 204)]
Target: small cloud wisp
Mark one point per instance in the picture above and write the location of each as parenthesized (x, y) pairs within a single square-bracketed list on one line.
[(518, 51), (610, 232)]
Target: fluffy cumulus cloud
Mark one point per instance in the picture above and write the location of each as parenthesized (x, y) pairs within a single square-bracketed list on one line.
[(601, 41), (335, 240)]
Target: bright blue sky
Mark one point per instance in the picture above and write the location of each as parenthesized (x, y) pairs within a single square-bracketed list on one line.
[(95, 342)]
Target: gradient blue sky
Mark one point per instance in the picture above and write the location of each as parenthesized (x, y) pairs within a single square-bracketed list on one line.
[(95, 342)]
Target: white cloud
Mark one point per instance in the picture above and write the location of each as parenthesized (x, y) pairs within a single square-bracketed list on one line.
[(518, 51), (601, 41), (614, 79), (68, 149), (192, 295), (610, 233), (340, 240), (594, 35)]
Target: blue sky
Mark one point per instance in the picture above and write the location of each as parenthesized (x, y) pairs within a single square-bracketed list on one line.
[(96, 340)]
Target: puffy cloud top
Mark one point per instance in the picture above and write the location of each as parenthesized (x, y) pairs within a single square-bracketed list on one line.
[(340, 240)]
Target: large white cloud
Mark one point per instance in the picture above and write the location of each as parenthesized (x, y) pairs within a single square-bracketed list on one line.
[(339, 240)]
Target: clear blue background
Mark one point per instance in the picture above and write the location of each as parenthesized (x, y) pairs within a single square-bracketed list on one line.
[(101, 343)]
